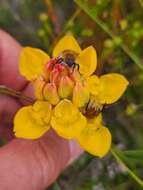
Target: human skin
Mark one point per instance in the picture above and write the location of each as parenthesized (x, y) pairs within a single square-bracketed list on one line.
[(26, 164)]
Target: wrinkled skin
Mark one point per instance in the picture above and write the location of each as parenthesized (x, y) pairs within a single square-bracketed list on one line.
[(26, 164)]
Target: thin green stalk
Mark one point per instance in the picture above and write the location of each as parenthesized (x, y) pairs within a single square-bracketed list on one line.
[(71, 19), (130, 172), (67, 24), (11, 92), (84, 6), (137, 154)]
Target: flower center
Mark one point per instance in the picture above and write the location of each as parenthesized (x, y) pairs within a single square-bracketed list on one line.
[(61, 79)]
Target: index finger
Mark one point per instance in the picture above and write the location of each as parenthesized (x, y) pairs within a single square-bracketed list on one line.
[(9, 57)]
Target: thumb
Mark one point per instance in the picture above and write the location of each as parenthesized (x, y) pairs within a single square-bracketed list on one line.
[(33, 165)]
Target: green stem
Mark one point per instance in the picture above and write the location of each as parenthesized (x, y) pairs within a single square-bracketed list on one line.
[(67, 24), (84, 6), (71, 19), (11, 92), (130, 172)]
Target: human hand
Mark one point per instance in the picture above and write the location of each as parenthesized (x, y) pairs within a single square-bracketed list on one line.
[(26, 164)]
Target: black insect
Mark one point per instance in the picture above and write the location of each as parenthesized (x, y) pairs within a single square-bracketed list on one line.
[(60, 60), (68, 58)]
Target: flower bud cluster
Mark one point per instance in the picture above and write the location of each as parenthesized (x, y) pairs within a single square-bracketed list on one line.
[(60, 81)]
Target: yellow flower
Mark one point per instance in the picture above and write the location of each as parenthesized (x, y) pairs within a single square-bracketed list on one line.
[(69, 95)]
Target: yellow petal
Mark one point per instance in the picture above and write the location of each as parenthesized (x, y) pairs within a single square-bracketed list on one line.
[(42, 111), (25, 126), (67, 121), (68, 42), (80, 94), (39, 84), (65, 87), (87, 61), (112, 86), (50, 93), (95, 122), (69, 130), (93, 84), (66, 111), (32, 61), (96, 142)]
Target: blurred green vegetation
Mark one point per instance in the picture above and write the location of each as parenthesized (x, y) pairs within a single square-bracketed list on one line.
[(115, 28)]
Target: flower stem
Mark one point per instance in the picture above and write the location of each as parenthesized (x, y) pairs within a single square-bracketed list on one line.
[(14, 93), (130, 172)]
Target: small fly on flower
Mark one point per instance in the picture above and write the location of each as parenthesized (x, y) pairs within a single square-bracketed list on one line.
[(68, 57)]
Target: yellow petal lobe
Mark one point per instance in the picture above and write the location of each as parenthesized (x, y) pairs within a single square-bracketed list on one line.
[(25, 126), (67, 121), (65, 87), (93, 84), (32, 61), (80, 94), (68, 42), (112, 87), (39, 84), (42, 111), (94, 123), (87, 61), (95, 138), (50, 93)]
